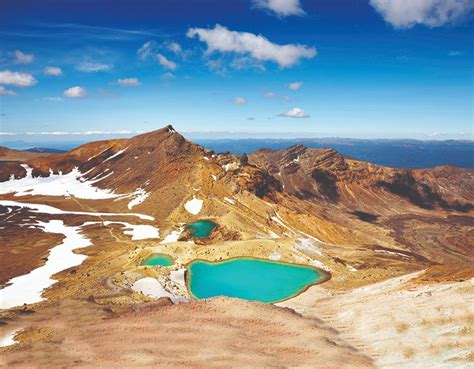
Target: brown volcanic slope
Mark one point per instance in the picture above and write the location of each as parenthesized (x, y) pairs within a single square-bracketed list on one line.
[(365, 215), (215, 333), (363, 222), (414, 206)]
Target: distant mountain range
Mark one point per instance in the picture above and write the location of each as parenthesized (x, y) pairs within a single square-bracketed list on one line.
[(45, 150), (400, 153), (404, 153)]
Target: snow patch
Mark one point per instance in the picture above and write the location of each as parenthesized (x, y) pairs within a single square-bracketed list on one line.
[(319, 265), (230, 201), (152, 288), (351, 268), (177, 276), (141, 196), (71, 184), (92, 157), (230, 167), (394, 253), (115, 155), (46, 209), (214, 177), (137, 231), (9, 338), (173, 236), (274, 256), (193, 206), (28, 288), (304, 244)]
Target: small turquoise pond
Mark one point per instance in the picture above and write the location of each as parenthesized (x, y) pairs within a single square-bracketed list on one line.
[(201, 228), (251, 279), (159, 259)]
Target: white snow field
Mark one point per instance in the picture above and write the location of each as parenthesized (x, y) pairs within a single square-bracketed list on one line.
[(193, 206), (28, 288)]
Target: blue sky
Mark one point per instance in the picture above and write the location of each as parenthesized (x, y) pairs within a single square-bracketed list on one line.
[(365, 68)]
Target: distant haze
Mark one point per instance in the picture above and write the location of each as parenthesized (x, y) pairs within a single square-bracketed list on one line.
[(397, 153)]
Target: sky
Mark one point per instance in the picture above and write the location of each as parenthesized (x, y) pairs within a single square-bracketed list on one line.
[(81, 69)]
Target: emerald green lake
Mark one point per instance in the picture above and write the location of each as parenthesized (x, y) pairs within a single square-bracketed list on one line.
[(201, 228), (250, 279), (159, 259)]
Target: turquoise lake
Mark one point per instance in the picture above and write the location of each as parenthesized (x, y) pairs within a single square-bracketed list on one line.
[(250, 279), (201, 228), (159, 259)]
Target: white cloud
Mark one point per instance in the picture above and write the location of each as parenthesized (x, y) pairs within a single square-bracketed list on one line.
[(239, 101), (281, 8), (294, 113), (128, 82), (295, 86), (175, 48), (145, 51), (260, 48), (165, 62), (80, 133), (52, 71), (75, 92), (167, 75), (269, 94), (22, 58), (93, 67), (17, 79), (5, 92), (53, 98), (247, 62), (431, 13)]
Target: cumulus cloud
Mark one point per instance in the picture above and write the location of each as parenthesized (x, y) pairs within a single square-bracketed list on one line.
[(165, 62), (295, 86), (52, 71), (128, 82), (91, 67), (17, 79), (239, 101), (281, 8), (75, 92), (21, 58), (431, 13), (269, 94), (294, 113), (258, 47), (5, 92)]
